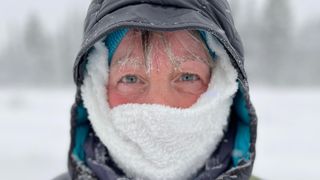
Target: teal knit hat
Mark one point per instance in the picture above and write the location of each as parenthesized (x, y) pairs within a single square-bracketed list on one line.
[(113, 40)]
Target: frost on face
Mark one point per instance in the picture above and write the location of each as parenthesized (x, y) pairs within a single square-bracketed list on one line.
[(143, 48)]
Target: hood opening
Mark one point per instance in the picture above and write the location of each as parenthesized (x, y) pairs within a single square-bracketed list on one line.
[(241, 152)]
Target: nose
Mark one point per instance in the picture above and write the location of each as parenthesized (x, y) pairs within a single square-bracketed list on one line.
[(161, 94)]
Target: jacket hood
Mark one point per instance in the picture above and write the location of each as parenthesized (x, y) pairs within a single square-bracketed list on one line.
[(214, 17)]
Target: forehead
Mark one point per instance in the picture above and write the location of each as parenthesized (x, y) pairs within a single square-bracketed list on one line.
[(141, 47)]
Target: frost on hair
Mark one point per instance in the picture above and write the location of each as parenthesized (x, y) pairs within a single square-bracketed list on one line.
[(144, 40)]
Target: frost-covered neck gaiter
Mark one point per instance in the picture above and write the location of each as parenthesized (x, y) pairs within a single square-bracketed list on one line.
[(151, 141)]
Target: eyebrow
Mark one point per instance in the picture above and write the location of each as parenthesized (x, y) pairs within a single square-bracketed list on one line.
[(176, 61), (125, 62)]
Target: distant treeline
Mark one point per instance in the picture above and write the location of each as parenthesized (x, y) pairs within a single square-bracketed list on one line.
[(36, 56), (276, 52)]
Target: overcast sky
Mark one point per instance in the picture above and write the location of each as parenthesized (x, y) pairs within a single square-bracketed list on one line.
[(51, 12)]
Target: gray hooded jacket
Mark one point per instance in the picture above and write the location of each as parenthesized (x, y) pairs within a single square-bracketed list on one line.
[(234, 157)]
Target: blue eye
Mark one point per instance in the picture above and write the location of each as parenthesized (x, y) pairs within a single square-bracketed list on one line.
[(129, 79), (189, 77)]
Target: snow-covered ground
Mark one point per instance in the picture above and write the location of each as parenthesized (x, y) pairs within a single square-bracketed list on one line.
[(288, 144), (34, 132)]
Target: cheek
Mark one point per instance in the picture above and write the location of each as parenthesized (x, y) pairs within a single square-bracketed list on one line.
[(115, 98), (187, 95), (192, 88), (185, 101), (118, 97)]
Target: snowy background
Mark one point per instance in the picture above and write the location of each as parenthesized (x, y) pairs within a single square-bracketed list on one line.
[(38, 43)]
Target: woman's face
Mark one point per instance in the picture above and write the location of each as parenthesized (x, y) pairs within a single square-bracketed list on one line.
[(167, 68)]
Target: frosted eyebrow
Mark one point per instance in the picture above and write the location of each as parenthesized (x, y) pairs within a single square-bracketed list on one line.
[(123, 63)]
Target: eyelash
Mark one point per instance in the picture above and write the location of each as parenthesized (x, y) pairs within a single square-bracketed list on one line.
[(133, 79), (124, 80), (195, 77)]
